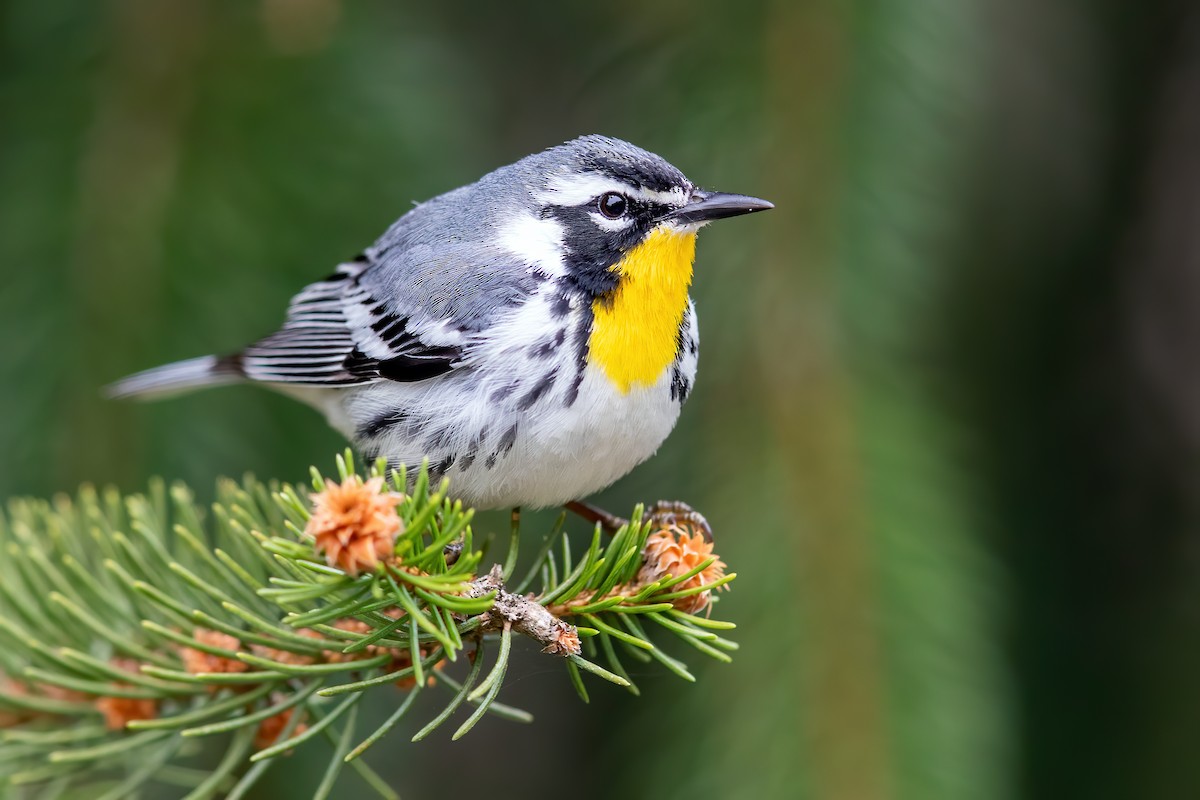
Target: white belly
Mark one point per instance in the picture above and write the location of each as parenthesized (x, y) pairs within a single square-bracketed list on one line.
[(515, 429), (569, 454)]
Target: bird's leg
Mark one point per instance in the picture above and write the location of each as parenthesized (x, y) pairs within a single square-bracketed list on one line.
[(611, 523), (664, 512), (453, 550)]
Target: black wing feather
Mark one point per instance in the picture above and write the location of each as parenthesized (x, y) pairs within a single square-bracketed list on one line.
[(316, 345), (407, 367)]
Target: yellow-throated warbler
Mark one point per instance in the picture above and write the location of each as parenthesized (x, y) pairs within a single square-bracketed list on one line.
[(531, 334)]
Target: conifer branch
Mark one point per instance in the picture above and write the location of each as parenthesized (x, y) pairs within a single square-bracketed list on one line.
[(131, 626)]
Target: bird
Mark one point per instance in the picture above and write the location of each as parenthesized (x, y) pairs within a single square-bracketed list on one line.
[(529, 336)]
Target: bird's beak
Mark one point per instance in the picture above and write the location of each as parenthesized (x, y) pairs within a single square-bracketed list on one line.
[(707, 206)]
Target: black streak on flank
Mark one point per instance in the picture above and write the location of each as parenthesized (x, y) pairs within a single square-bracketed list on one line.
[(546, 347), (381, 423), (681, 387), (686, 337), (560, 306), (573, 389), (581, 351), (508, 440), (473, 449), (504, 445), (504, 391), (539, 389), (439, 440), (438, 469)]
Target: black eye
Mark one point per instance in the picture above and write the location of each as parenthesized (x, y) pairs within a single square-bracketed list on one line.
[(613, 205)]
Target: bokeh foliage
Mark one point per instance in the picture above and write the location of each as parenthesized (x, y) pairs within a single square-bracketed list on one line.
[(946, 417)]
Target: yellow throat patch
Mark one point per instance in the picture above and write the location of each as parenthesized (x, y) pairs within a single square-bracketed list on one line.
[(634, 335)]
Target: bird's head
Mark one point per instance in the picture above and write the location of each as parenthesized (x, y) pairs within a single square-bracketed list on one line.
[(596, 210)]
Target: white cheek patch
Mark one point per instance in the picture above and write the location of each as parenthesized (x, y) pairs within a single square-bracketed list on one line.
[(537, 242)]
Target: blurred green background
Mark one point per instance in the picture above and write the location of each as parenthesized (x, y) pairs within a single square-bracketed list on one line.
[(948, 414)]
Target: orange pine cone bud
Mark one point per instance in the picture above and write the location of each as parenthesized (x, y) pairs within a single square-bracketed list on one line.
[(197, 661), (120, 711), (355, 524), (282, 656), (675, 550), (14, 717), (351, 625), (271, 728)]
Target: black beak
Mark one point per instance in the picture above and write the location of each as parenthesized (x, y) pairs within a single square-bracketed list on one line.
[(707, 206)]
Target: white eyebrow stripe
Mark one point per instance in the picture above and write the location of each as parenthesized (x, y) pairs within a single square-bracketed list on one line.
[(671, 197), (573, 190)]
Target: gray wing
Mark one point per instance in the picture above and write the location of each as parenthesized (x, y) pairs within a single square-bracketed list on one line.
[(438, 262), (404, 311)]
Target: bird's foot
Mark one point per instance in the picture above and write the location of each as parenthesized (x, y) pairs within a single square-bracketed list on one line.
[(675, 512), (662, 513), (452, 551)]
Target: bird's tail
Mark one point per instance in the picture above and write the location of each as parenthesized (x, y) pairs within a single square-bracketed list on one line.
[(179, 377)]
